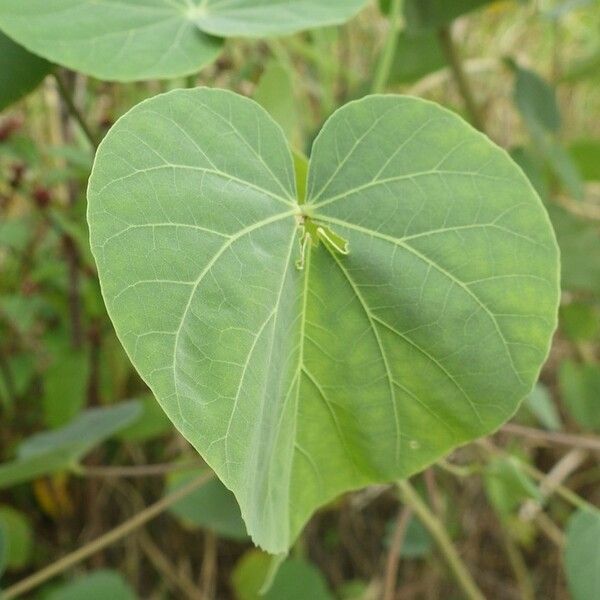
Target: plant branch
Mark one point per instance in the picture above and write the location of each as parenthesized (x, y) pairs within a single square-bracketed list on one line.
[(67, 98), (164, 566), (412, 499), (555, 477), (74, 295), (382, 74), (393, 559), (564, 492), (518, 565), (454, 61), (135, 522), (554, 437), (137, 470)]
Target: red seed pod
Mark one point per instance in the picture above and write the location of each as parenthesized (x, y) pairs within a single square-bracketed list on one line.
[(9, 126), (17, 171), (42, 196)]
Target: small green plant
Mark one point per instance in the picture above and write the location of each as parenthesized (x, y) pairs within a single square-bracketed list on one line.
[(308, 346)]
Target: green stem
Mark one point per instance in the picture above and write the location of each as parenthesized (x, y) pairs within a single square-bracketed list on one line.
[(454, 61), (137, 521), (382, 74), (518, 565), (65, 94), (412, 499)]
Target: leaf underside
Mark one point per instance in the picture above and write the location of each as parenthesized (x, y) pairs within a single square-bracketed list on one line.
[(126, 40), (296, 385)]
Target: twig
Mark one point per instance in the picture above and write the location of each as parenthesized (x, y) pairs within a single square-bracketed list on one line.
[(137, 470), (393, 559), (135, 522), (209, 565), (518, 565), (382, 74), (554, 437), (555, 477), (167, 570), (9, 381), (454, 60), (549, 528), (439, 533), (65, 94), (74, 296)]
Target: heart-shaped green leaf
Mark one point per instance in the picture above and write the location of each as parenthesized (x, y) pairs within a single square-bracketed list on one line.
[(412, 316), (127, 40)]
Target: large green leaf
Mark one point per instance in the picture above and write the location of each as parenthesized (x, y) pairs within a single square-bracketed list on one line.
[(298, 384), (127, 40), (582, 553), (20, 71)]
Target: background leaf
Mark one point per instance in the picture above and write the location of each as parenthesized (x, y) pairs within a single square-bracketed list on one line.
[(580, 389), (52, 451), (18, 536), (65, 386), (539, 404), (295, 579), (431, 14), (275, 93), (417, 54), (20, 71), (259, 18), (581, 554), (99, 585), (148, 39), (211, 507), (121, 41), (536, 100)]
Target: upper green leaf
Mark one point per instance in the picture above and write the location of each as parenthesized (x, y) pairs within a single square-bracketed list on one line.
[(126, 40), (258, 18), (20, 71), (296, 384)]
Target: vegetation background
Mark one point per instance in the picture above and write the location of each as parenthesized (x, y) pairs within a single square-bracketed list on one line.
[(85, 448)]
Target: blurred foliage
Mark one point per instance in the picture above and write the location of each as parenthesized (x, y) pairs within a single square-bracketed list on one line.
[(66, 384)]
